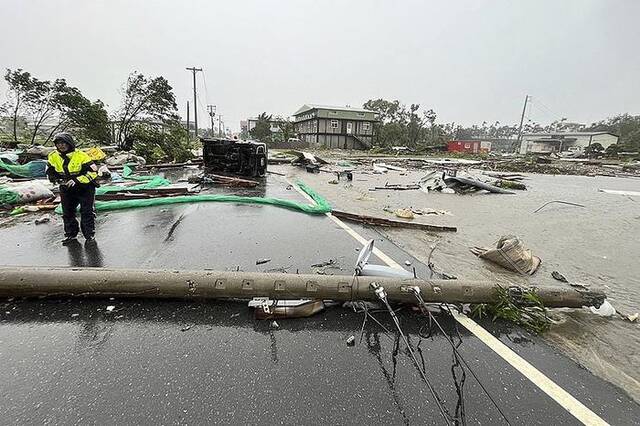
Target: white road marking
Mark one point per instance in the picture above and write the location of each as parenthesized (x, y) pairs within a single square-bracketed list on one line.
[(548, 386)]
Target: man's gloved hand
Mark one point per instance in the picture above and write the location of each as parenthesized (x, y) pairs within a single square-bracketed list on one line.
[(70, 183)]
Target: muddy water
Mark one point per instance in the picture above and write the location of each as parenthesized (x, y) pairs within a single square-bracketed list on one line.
[(595, 245)]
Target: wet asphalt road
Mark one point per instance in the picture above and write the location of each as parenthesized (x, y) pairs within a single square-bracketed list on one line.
[(71, 361)]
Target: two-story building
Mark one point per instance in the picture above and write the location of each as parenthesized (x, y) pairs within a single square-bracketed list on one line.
[(335, 127)]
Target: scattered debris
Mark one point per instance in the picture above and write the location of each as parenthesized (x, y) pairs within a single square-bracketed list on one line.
[(617, 192), (558, 276), (604, 310), (186, 328), (378, 221), (43, 219), (509, 184), (274, 324), (395, 187), (389, 167), (363, 268), (110, 308), (511, 254), (212, 179), (262, 261), (333, 182), (464, 184), (557, 201), (404, 213), (329, 262), (524, 308), (633, 317)]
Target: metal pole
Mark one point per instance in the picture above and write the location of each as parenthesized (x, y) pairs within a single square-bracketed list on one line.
[(212, 113), (105, 282), (195, 100), (188, 127), (524, 109)]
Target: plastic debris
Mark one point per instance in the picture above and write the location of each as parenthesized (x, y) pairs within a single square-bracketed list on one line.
[(605, 310), (511, 254), (404, 213), (44, 219)]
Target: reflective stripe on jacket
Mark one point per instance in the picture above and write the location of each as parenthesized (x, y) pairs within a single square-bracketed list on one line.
[(74, 165)]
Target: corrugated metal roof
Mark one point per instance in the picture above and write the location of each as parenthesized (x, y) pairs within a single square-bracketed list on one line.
[(307, 107)]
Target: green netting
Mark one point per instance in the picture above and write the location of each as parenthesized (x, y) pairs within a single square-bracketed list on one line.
[(128, 173), (8, 197), (32, 169), (155, 182), (321, 205)]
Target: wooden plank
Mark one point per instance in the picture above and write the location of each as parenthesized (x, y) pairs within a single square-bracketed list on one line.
[(379, 221)]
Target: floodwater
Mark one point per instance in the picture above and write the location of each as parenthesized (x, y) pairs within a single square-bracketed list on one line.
[(596, 245)]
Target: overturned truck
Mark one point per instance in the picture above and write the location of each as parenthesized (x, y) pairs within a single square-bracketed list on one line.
[(229, 156)]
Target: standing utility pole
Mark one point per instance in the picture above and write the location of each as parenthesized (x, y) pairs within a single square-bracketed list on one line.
[(524, 109), (188, 126), (212, 113), (220, 125), (194, 70)]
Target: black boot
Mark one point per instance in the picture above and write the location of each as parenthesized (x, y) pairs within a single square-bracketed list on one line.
[(69, 240)]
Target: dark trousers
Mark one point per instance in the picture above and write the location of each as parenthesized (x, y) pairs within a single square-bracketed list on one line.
[(71, 198)]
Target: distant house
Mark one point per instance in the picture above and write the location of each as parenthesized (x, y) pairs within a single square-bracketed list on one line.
[(469, 146), (545, 143), (335, 127)]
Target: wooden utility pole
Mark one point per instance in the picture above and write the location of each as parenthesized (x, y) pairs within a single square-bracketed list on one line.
[(524, 109), (212, 113), (188, 127), (194, 70)]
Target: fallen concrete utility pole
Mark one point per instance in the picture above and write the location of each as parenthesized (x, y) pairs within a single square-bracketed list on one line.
[(103, 282), (380, 221)]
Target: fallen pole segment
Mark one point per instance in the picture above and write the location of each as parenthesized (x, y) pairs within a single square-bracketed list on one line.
[(105, 282)]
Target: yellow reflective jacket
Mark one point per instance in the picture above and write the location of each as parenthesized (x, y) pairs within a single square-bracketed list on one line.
[(75, 165)]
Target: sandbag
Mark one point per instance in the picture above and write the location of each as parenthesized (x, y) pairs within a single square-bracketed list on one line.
[(511, 254), (29, 192)]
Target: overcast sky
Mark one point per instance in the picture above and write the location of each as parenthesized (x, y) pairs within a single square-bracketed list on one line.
[(468, 60)]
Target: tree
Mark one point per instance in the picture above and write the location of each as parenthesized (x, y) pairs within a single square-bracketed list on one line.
[(262, 130), (42, 102), (168, 142), (286, 126), (594, 149), (145, 99), (23, 91)]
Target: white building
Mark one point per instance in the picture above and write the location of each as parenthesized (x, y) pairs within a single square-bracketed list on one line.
[(545, 143)]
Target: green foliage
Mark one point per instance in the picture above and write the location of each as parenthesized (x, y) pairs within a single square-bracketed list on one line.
[(594, 149), (166, 143), (43, 102), (262, 130), (149, 100), (286, 127), (529, 312)]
